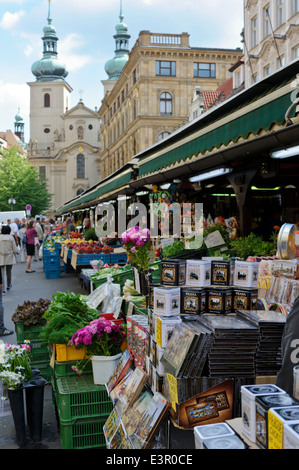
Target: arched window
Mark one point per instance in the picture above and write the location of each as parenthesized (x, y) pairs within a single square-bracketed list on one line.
[(162, 136), (165, 103), (47, 100), (80, 166)]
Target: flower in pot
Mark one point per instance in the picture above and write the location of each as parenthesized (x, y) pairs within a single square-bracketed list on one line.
[(102, 340), (137, 243)]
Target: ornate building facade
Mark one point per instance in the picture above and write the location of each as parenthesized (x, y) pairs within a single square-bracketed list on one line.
[(64, 142), (271, 36), (149, 90)]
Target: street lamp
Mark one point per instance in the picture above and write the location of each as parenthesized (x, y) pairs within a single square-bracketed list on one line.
[(12, 203)]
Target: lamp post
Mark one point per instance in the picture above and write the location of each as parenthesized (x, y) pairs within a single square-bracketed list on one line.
[(11, 202)]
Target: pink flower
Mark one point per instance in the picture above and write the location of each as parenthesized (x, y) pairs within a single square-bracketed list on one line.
[(133, 249)]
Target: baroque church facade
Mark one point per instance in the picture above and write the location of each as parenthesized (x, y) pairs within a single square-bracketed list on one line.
[(64, 141)]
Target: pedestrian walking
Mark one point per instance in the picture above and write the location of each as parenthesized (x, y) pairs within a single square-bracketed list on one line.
[(22, 233), (31, 233), (3, 331), (8, 252)]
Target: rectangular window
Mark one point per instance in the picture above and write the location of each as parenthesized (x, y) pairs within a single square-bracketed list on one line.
[(266, 21), (254, 32), (267, 70), (204, 70), (295, 52), (42, 172), (295, 6), (165, 68), (280, 12), (134, 77)]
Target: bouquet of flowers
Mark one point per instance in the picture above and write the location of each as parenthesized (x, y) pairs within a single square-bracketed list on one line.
[(101, 337), (137, 243), (15, 365)]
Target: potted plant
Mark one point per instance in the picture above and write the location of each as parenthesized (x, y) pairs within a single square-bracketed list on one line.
[(102, 340), (15, 371), (137, 243)]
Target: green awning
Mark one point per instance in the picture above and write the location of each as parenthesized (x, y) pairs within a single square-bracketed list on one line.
[(261, 118), (95, 195)]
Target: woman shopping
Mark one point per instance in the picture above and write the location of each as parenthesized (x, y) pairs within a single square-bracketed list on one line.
[(8, 252), (31, 233)]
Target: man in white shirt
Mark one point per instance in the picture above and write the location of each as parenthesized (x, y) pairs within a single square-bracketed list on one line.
[(14, 226)]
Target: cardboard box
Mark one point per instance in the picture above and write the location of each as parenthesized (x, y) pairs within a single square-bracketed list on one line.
[(291, 436), (167, 301), (219, 300), (211, 431), (277, 419), (248, 405), (246, 273), (198, 273), (263, 405), (193, 300), (159, 366), (222, 273), (245, 299), (173, 272)]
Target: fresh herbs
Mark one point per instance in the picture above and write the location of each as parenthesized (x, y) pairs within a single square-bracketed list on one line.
[(66, 314)]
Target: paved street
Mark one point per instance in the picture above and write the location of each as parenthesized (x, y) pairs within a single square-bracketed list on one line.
[(33, 287)]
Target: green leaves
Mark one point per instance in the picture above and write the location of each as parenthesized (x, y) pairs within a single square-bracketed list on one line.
[(20, 180)]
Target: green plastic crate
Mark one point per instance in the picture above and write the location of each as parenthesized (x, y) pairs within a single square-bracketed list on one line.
[(40, 356), (62, 369), (79, 397), (83, 433), (30, 333)]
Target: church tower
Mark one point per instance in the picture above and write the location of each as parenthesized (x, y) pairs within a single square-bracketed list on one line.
[(49, 94)]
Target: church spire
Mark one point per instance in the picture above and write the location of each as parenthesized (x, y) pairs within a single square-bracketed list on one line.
[(114, 67), (49, 68)]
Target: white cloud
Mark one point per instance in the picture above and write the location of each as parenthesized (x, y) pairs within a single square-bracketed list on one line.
[(10, 20), (12, 97), (73, 60)]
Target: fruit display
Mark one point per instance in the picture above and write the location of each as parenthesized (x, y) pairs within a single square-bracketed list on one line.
[(89, 248), (76, 235)]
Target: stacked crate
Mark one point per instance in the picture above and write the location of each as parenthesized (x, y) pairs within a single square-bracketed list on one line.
[(51, 263), (40, 351), (81, 407)]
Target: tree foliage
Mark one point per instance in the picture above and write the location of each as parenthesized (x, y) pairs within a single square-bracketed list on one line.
[(21, 181)]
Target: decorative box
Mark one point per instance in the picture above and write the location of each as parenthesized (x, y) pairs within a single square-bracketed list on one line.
[(222, 273), (198, 273), (211, 431), (263, 405), (246, 273), (226, 442), (167, 301), (291, 436), (219, 300), (277, 418), (173, 272), (248, 399), (163, 329), (245, 299), (193, 300)]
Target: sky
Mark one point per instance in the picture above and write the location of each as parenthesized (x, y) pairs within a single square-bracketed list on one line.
[(85, 30)]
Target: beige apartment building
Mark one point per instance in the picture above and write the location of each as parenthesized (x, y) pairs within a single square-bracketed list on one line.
[(150, 96), (271, 36)]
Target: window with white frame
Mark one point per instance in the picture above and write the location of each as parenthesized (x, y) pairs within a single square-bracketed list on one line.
[(281, 61), (80, 166), (254, 32), (280, 12), (266, 21), (165, 103)]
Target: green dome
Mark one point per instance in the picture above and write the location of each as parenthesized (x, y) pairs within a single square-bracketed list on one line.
[(114, 67), (18, 118), (49, 68)]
